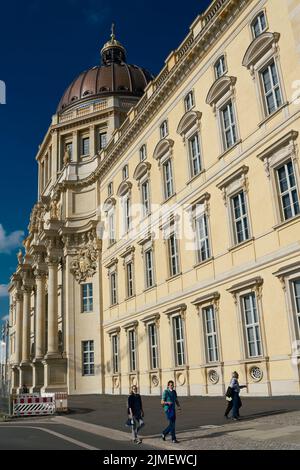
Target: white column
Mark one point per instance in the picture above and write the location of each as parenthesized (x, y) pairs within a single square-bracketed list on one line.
[(26, 323), (19, 327), (40, 314), (52, 307)]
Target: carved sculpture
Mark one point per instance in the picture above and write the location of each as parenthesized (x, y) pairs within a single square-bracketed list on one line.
[(85, 262)]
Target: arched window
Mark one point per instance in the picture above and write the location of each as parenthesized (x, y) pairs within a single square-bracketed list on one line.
[(220, 67)]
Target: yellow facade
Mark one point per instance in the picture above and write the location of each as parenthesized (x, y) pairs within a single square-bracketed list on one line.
[(236, 306)]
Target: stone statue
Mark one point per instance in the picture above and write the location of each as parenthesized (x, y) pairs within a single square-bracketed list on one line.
[(20, 257), (54, 210), (67, 158)]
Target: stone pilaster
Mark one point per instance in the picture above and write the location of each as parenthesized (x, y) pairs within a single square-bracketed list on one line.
[(26, 323), (40, 277), (52, 351)]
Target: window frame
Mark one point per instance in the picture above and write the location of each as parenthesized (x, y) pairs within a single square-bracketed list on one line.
[(224, 66), (173, 256), (207, 334), (153, 346), (170, 180), (132, 340), (143, 153), (164, 129), (147, 270), (115, 344), (263, 91), (242, 218), (253, 326), (90, 303), (113, 288), (258, 15), (83, 139), (179, 341), (189, 101), (233, 123), (290, 190), (90, 351)]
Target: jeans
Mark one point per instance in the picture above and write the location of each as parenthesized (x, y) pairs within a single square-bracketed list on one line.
[(136, 426), (235, 405), (171, 427)]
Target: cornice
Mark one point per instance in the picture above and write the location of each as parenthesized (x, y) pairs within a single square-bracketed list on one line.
[(186, 58)]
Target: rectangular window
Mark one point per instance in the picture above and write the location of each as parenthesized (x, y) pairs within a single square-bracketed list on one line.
[(132, 350), (110, 188), (146, 198), (173, 255), (240, 217), (152, 332), (127, 214), (129, 279), (87, 297), (259, 25), (296, 295), (88, 360), (164, 130), (168, 179), (195, 155), (179, 340), (149, 268), (143, 153), (220, 67), (125, 172), (102, 140), (288, 190), (271, 88), (189, 101), (111, 227), (69, 149), (85, 146), (115, 353), (251, 325), (211, 339), (202, 238), (228, 126), (113, 288)]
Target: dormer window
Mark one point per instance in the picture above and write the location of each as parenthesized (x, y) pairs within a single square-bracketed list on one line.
[(259, 24), (220, 67), (125, 173), (164, 129), (189, 101), (143, 153)]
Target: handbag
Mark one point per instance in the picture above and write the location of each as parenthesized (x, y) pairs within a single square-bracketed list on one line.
[(229, 393), (129, 422)]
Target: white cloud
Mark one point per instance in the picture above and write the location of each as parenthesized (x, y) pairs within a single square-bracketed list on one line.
[(3, 290), (11, 241), (6, 317)]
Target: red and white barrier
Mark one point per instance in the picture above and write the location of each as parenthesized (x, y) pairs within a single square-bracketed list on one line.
[(60, 399), (33, 406)]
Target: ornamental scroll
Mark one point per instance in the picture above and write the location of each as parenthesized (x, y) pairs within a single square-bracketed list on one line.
[(84, 264)]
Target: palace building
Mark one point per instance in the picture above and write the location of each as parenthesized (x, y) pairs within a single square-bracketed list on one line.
[(165, 241)]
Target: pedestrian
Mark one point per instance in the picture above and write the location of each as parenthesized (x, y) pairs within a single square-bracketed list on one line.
[(24, 389), (135, 413), (233, 397), (169, 399)]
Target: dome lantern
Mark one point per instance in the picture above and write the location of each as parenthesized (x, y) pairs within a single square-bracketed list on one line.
[(113, 51)]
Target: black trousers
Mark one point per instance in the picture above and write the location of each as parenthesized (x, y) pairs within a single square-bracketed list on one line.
[(230, 405)]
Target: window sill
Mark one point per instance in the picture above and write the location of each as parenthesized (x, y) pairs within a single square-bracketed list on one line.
[(229, 150), (111, 244), (168, 199), (290, 221), (179, 368), (267, 118), (208, 365), (174, 277), (195, 177), (242, 244), (203, 263), (150, 288), (114, 305), (254, 360), (86, 313), (129, 298)]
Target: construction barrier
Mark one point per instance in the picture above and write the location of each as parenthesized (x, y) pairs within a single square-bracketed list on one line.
[(33, 406), (60, 399)]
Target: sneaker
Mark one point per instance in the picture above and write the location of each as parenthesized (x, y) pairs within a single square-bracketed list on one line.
[(175, 441), (138, 441), (226, 416), (163, 437), (235, 419)]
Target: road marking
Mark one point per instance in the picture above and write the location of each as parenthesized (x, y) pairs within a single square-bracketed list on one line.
[(60, 436)]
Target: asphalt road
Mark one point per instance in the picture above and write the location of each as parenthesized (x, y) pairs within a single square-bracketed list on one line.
[(49, 436)]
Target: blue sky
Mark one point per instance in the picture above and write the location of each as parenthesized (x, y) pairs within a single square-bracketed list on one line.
[(44, 45)]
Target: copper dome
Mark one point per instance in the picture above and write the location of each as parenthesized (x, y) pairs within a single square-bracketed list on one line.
[(114, 76)]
